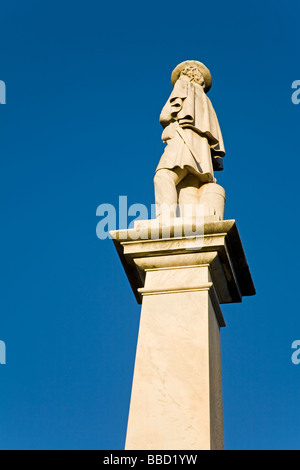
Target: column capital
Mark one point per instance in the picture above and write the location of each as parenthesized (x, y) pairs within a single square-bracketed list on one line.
[(216, 244)]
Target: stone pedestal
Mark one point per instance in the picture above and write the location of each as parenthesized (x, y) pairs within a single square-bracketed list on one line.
[(176, 400)]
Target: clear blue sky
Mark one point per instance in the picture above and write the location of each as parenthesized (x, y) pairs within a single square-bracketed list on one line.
[(85, 85)]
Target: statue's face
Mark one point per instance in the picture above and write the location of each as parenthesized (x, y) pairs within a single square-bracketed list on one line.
[(193, 74)]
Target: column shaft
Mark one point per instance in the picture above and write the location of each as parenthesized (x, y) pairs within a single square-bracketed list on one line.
[(176, 400)]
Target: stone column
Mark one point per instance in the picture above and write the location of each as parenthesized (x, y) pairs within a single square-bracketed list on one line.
[(176, 400)]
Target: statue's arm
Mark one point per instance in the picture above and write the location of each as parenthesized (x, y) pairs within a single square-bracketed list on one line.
[(174, 104)]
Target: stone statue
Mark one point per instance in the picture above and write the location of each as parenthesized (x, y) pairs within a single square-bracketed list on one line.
[(194, 145)]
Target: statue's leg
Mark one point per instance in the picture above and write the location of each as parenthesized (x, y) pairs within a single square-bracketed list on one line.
[(165, 182), (188, 196)]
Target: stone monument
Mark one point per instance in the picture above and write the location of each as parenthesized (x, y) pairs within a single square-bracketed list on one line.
[(181, 267)]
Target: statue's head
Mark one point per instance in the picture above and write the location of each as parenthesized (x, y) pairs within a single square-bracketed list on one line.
[(195, 71), (193, 74)]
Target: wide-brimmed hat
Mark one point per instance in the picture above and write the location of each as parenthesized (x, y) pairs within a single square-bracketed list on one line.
[(193, 63)]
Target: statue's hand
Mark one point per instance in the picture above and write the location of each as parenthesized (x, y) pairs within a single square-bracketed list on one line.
[(217, 163)]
